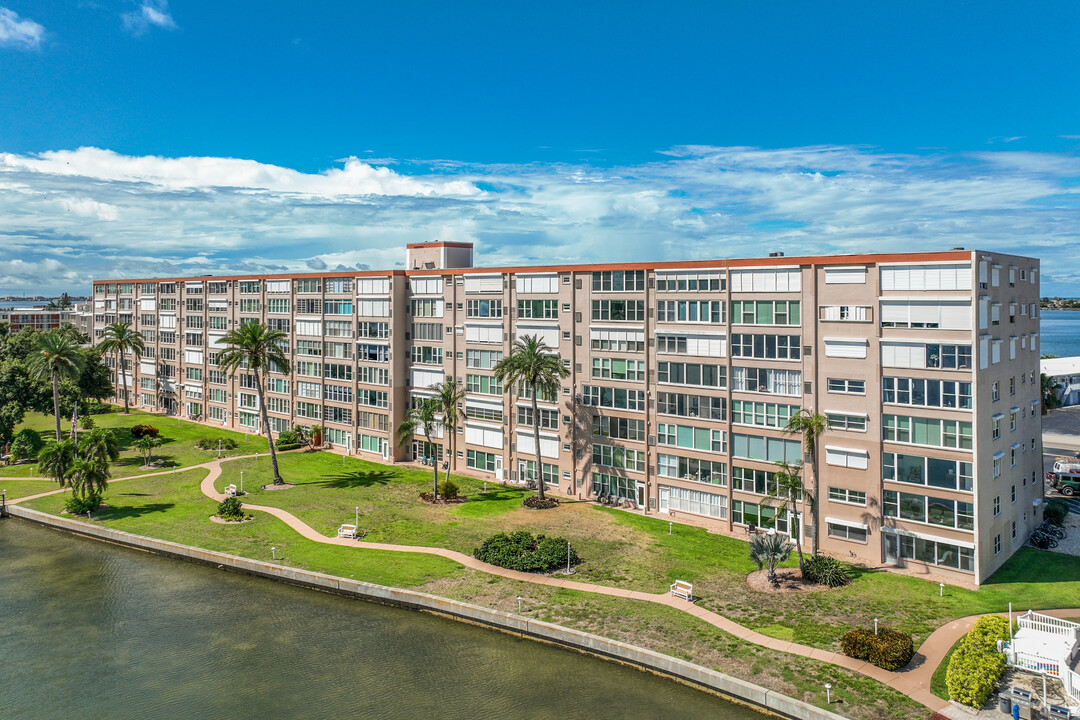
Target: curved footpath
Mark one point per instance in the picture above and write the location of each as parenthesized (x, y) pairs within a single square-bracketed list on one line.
[(913, 681)]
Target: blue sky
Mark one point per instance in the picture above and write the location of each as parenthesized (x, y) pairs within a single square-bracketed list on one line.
[(149, 137)]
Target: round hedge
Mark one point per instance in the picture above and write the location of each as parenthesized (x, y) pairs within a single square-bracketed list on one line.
[(522, 551), (890, 649)]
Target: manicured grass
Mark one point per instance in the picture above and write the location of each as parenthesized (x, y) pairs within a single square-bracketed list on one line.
[(23, 488), (170, 506), (178, 449), (636, 552), (937, 682)]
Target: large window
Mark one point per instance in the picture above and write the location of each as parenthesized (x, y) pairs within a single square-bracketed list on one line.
[(381, 330), (765, 312), (618, 457), (426, 355), (697, 406), (485, 384), (751, 480), (538, 309), (372, 353), (482, 359), (618, 369), (337, 307), (919, 470), (631, 310), (616, 427), (934, 552), (927, 431), (766, 347), (697, 502), (762, 414), (922, 392), (691, 311), (480, 460), (615, 486), (618, 281), (928, 509), (549, 419), (616, 398), (692, 438), (483, 308), (617, 340), (690, 282), (679, 373), (768, 449), (687, 468), (766, 380)]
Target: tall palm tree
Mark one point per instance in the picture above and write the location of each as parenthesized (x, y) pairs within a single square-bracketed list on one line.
[(421, 419), (789, 491), (56, 460), (119, 338), (56, 357), (448, 395), (256, 347), (810, 425), (536, 368)]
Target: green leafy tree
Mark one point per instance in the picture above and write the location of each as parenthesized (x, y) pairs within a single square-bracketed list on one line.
[(146, 445), (1051, 392), (120, 339), (255, 347), (810, 425), (56, 460), (448, 395), (537, 370), (787, 492), (421, 419), (100, 446), (88, 479), (768, 550), (56, 357)]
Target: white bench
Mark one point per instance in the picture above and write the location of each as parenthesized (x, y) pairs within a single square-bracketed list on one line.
[(683, 589), (230, 491), (347, 531)]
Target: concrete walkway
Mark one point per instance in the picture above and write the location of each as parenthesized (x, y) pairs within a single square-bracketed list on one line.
[(913, 681)]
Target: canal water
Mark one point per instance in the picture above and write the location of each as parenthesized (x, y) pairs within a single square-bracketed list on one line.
[(94, 631)]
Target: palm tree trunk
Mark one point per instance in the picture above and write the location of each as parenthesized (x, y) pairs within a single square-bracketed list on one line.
[(266, 427), (434, 462), (536, 440), (798, 534), (56, 401), (814, 505)]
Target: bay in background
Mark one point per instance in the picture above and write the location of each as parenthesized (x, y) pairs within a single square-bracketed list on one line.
[(1059, 332)]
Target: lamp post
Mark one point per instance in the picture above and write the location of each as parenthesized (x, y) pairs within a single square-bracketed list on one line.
[(875, 626), (358, 516), (273, 552), (241, 482), (670, 523), (519, 603), (941, 589), (828, 694)]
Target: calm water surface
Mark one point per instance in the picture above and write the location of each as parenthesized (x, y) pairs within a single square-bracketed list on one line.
[(1059, 331), (89, 630)]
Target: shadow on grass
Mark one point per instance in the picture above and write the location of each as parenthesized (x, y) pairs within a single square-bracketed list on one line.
[(498, 494), (1030, 565), (359, 478), (114, 512)]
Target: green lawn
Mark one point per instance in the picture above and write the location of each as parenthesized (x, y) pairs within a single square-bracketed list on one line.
[(937, 682), (22, 488), (171, 507), (178, 449)]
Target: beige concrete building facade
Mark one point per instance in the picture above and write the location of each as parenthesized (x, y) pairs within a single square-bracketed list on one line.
[(682, 378)]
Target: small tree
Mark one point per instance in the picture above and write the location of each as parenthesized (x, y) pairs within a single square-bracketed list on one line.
[(810, 425), (422, 419), (27, 444), (146, 445), (88, 479), (448, 395), (1051, 393), (788, 492), (100, 446), (768, 550), (56, 460)]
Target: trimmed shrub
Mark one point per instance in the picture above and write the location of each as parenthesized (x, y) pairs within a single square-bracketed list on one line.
[(287, 446), (26, 445), (212, 443), (890, 649), (448, 490), (521, 551), (86, 422), (1056, 511), (230, 509), (534, 502), (99, 408), (976, 666), (289, 437), (138, 431), (80, 506), (827, 571)]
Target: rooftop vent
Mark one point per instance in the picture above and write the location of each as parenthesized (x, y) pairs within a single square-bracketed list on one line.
[(776, 253), (958, 248)]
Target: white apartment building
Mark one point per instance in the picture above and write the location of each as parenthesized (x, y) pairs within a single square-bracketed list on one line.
[(683, 376)]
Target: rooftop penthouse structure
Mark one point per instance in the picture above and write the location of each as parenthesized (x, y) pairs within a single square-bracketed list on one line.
[(683, 376)]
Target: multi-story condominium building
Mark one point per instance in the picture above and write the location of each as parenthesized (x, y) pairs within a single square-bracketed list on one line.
[(683, 376), (38, 318)]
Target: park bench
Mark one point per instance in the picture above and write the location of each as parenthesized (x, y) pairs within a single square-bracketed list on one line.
[(347, 531), (683, 589), (230, 491)]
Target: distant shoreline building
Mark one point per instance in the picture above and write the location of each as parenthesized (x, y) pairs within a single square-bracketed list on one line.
[(683, 376)]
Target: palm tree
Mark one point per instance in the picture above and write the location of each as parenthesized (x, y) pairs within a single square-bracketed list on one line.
[(421, 419), (56, 357), (536, 368), (768, 550), (789, 491), (100, 446), (56, 460), (119, 338), (448, 394), (1051, 392), (146, 444), (88, 478), (256, 347), (810, 425)]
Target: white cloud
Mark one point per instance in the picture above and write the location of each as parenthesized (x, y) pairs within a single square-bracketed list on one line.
[(152, 13), (19, 32), (101, 214)]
